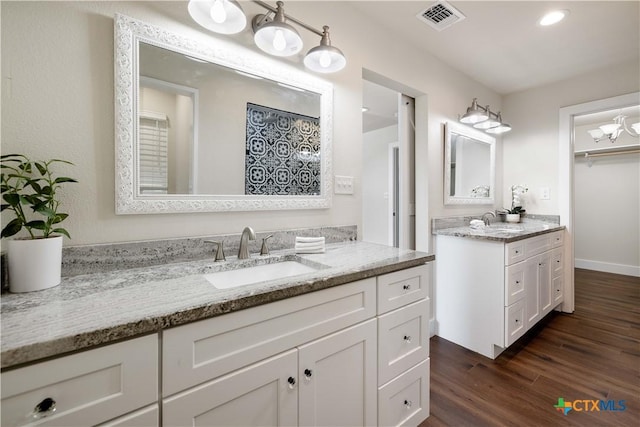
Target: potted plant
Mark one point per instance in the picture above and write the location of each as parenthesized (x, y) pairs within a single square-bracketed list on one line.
[(30, 192), (514, 214)]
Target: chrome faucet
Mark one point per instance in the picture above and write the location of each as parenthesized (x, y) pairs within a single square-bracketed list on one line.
[(485, 217), (247, 234)]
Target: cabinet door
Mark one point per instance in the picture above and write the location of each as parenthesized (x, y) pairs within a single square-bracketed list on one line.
[(544, 279), (532, 292), (262, 394), (338, 378)]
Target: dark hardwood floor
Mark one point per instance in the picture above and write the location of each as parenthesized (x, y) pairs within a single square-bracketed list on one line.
[(592, 354)]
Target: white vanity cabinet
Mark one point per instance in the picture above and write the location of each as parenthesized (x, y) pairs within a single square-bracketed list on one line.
[(355, 354), (489, 293), (307, 360), (87, 388)]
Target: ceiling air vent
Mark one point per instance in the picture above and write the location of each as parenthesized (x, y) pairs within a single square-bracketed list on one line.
[(441, 15)]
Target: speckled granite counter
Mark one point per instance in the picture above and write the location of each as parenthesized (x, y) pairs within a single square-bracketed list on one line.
[(94, 309), (501, 231)]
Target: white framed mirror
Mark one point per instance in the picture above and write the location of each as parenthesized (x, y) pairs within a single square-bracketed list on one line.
[(208, 127), (469, 166)]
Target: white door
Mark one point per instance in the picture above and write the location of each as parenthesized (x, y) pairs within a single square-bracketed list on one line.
[(544, 277), (338, 378), (532, 291), (262, 394)]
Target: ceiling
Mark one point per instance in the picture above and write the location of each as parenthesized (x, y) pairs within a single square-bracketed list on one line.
[(500, 44)]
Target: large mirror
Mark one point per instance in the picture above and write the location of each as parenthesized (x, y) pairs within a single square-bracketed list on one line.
[(201, 127), (469, 166)]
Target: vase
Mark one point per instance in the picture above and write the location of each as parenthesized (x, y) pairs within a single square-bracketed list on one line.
[(513, 218), (34, 264)]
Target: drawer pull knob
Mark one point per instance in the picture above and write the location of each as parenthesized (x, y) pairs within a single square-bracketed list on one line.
[(517, 252), (308, 373), (408, 403), (44, 408), (406, 287), (292, 382), (407, 338), (517, 321), (517, 282)]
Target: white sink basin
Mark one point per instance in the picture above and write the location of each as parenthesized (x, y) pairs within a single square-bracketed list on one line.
[(505, 230), (259, 273)]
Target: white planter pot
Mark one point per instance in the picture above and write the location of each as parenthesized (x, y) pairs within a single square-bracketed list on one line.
[(34, 264), (513, 217)]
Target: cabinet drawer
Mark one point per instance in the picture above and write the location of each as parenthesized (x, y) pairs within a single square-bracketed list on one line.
[(198, 352), (514, 286), (146, 417), (405, 400), (403, 340), (88, 388), (514, 319), (557, 262), (557, 238), (557, 287), (402, 287), (514, 252)]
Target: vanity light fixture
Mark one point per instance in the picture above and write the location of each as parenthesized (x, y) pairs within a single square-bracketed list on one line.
[(219, 16), (612, 131), (273, 33), (485, 119)]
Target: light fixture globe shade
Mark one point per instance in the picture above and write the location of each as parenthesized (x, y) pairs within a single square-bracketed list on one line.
[(219, 16), (596, 133), (636, 127), (487, 124), (474, 116), (278, 39), (610, 129), (325, 59), (501, 128)]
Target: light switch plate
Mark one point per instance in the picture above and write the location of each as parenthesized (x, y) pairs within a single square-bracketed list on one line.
[(343, 185)]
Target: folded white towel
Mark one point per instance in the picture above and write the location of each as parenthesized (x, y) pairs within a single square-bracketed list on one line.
[(300, 239), (476, 223), (309, 245)]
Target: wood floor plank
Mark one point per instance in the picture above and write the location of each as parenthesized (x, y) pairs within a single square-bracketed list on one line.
[(591, 354)]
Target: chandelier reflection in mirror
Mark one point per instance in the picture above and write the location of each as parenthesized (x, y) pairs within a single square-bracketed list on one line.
[(272, 33), (484, 119), (612, 131)]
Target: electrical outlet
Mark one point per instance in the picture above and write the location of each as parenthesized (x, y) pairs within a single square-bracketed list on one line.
[(343, 185), (544, 193)]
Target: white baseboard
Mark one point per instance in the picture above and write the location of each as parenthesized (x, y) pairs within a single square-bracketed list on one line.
[(627, 270)]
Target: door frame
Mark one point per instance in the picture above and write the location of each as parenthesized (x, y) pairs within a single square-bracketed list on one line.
[(566, 178)]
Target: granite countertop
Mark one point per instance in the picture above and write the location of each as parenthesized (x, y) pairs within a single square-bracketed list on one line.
[(95, 309), (502, 231)]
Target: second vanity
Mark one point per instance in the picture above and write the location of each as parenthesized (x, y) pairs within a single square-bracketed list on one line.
[(344, 345), (495, 283)]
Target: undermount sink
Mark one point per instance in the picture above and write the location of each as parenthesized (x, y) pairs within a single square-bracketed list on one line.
[(259, 273), (505, 230)]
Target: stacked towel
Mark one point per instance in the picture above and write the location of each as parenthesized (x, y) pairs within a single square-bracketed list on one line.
[(476, 224), (309, 245)]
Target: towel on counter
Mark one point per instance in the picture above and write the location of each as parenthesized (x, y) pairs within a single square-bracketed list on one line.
[(309, 245), (476, 223)]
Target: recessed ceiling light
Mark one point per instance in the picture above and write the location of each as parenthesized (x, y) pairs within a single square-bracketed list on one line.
[(553, 17)]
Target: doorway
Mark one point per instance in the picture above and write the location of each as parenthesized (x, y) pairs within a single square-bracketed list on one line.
[(388, 184), (566, 188)]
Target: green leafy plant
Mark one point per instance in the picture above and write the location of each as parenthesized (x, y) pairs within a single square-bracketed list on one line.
[(516, 202), (515, 210), (29, 190)]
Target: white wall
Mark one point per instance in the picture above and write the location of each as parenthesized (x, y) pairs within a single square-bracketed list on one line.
[(375, 184), (57, 101), (607, 206), (531, 148)]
